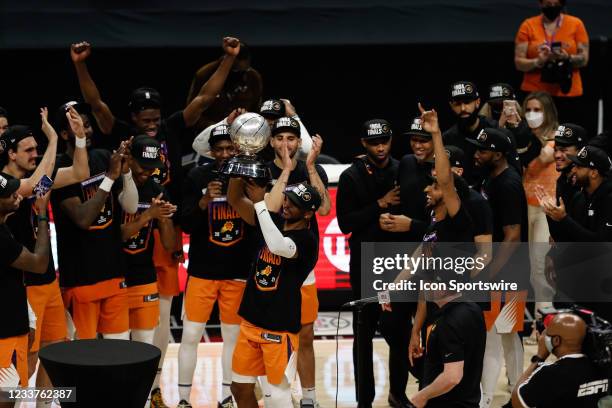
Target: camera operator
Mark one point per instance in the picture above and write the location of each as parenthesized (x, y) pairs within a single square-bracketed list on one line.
[(571, 381)]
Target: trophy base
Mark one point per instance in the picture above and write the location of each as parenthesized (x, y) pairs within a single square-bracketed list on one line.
[(246, 166)]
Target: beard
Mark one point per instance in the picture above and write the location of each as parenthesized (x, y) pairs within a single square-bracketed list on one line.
[(465, 123)]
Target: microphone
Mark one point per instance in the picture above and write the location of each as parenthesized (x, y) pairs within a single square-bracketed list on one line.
[(364, 301), (382, 297)]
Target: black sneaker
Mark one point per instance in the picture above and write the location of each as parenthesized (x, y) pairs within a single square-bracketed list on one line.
[(183, 404), (226, 403), (400, 401)]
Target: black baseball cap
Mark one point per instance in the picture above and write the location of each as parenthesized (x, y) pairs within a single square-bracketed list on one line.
[(218, 133), (8, 186), (455, 154), (463, 91), (144, 98), (304, 196), (62, 121), (286, 124), (12, 136), (570, 134), (501, 92), (416, 129), (146, 150), (376, 129), (492, 139), (272, 109), (594, 158)]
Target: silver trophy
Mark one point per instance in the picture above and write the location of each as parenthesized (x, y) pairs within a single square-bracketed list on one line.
[(251, 133)]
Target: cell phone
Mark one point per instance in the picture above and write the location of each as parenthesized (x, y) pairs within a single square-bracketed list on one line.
[(556, 47), (43, 186), (274, 338), (509, 107)]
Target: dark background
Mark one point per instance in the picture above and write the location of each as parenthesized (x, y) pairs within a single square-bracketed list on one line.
[(334, 88)]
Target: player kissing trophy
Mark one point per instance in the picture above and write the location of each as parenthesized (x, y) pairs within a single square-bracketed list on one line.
[(251, 133)]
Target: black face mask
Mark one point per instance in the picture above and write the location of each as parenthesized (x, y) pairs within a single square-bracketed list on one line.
[(465, 123), (496, 114), (552, 12)]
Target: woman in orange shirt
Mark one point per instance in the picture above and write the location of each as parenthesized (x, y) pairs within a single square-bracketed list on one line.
[(557, 37), (541, 116)]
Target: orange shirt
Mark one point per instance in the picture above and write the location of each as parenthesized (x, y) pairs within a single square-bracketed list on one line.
[(544, 175), (570, 33)]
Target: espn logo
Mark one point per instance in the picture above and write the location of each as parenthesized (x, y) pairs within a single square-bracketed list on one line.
[(592, 388)]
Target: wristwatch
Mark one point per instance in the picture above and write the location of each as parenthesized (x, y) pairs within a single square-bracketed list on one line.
[(537, 359)]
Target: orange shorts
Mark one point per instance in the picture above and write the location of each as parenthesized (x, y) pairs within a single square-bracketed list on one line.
[(514, 304), (255, 355), (310, 304), (201, 294), (99, 308), (14, 352), (144, 306), (167, 267), (48, 306)]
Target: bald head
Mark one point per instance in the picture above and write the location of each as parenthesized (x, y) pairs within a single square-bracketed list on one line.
[(570, 328)]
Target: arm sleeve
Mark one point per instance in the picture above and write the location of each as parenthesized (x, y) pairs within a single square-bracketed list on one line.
[(305, 136), (200, 143), (128, 198), (192, 216), (11, 250), (129, 195), (276, 242), (452, 344), (353, 217), (511, 204), (581, 33), (522, 36)]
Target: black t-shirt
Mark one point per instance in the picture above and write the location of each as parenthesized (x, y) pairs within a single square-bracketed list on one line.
[(89, 256), (572, 381), (168, 135), (13, 299), (459, 228), (138, 249), (412, 178), (272, 299), (220, 243), (300, 175), (506, 196), (479, 210), (458, 334), (24, 226)]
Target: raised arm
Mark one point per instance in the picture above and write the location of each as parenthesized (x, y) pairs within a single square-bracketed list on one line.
[(314, 177), (37, 261), (444, 176), (79, 170), (209, 91), (277, 243), (236, 197), (47, 163), (274, 199), (79, 53)]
